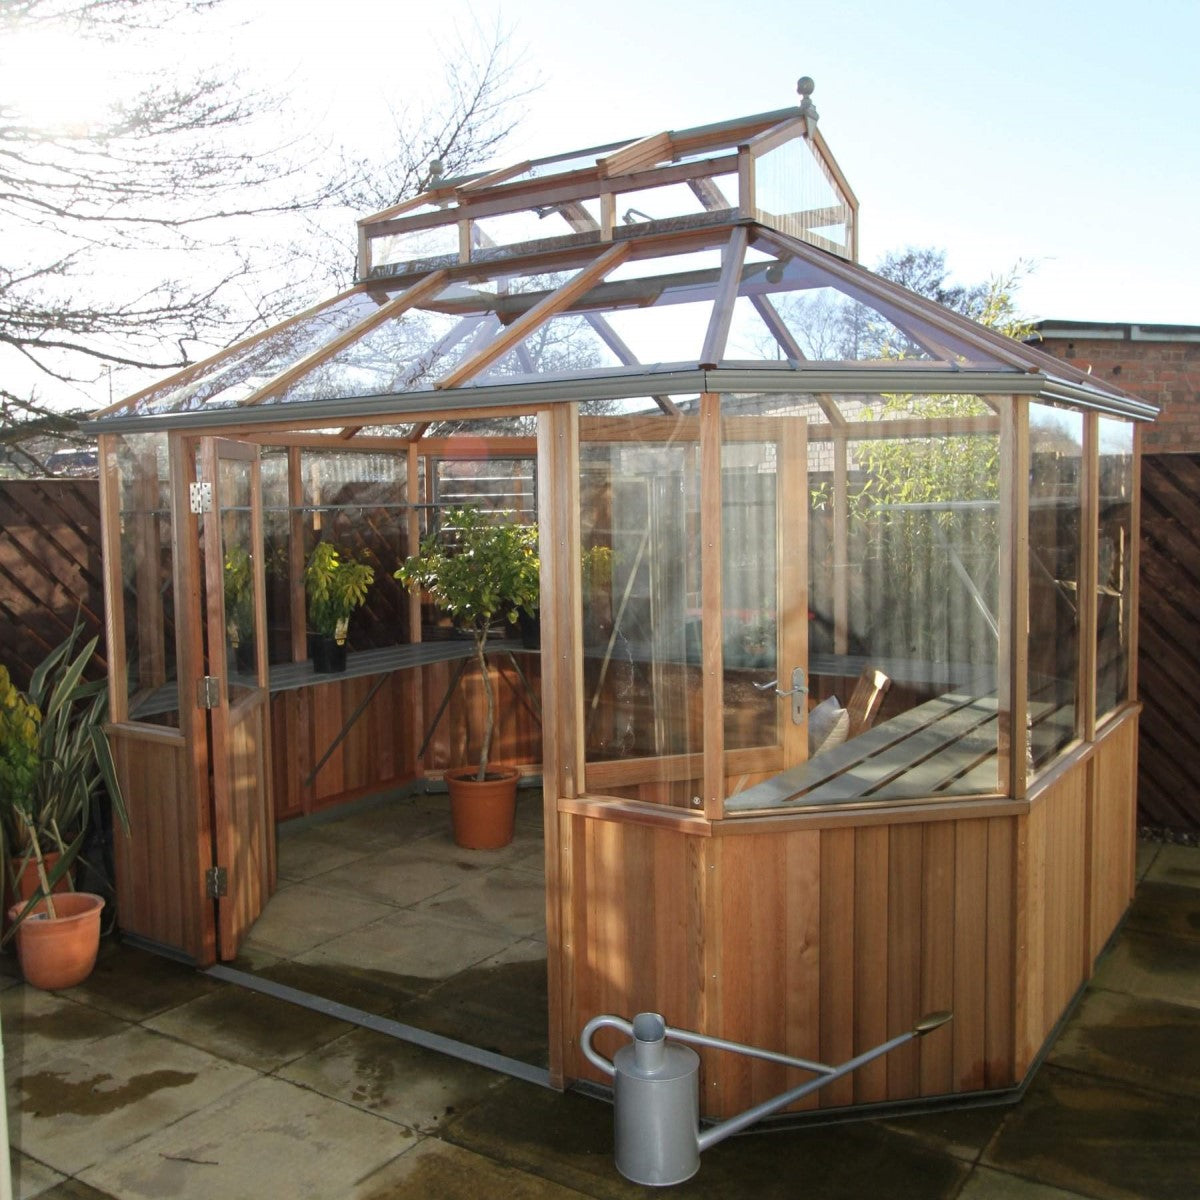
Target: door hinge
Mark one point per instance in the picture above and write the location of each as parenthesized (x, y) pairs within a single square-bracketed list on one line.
[(208, 691), (216, 883), (200, 497)]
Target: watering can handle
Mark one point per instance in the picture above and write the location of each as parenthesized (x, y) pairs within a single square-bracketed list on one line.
[(585, 1040)]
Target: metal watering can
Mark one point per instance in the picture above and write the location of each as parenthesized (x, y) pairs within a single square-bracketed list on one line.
[(656, 1092)]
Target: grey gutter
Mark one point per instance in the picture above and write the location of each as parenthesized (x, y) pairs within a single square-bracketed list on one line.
[(782, 379)]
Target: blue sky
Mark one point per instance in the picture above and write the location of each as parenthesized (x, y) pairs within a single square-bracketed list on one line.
[(1063, 133)]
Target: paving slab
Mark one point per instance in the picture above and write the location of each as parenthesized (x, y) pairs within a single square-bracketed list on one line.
[(313, 852), (267, 1139), (988, 1184), (412, 944), (249, 1027), (499, 1005), (1149, 965), (301, 916), (511, 900), (92, 1100), (1179, 865), (962, 1132), (74, 1189), (397, 877), (31, 1178), (38, 1025), (397, 1080), (1103, 1140), (162, 983), (1166, 908), (435, 1169), (568, 1139), (1147, 852)]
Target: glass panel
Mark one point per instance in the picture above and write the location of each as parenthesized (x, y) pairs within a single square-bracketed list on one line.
[(415, 245), (1116, 560), (532, 225), (793, 193), (358, 501), (749, 588), (234, 484), (503, 485), (1055, 547), (246, 367), (563, 345), (640, 515), (148, 585), (657, 204), (903, 545)]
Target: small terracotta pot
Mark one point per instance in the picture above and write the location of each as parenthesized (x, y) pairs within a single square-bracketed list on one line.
[(483, 813), (59, 952)]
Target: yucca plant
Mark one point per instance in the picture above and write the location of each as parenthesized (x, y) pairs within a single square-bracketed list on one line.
[(55, 764)]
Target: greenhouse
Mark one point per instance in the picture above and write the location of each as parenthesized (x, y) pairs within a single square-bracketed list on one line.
[(832, 697)]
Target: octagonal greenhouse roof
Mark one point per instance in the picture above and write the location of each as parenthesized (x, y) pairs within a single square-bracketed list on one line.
[(712, 281)]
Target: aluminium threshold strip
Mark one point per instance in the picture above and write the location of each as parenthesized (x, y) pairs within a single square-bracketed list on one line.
[(385, 1025)]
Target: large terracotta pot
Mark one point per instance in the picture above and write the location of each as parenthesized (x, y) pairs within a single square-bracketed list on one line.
[(59, 952), (483, 813)]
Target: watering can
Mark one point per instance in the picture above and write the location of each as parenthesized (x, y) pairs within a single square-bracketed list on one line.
[(656, 1092)]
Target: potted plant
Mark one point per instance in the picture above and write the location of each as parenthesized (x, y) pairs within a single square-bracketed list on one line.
[(54, 764), (335, 585), (479, 570)]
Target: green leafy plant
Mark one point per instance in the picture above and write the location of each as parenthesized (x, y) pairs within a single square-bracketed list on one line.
[(55, 765), (335, 586), (477, 570), (239, 594)]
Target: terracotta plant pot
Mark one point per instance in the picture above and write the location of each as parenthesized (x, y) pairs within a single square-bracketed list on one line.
[(59, 952), (483, 813)]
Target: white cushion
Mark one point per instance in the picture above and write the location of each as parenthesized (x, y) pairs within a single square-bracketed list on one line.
[(828, 726)]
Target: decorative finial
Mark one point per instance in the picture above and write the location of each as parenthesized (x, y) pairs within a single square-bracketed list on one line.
[(805, 87), (435, 171)]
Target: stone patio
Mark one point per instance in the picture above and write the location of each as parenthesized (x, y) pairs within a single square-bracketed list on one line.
[(154, 1080)]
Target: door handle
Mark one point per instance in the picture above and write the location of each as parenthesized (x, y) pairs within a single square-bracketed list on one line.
[(797, 691)]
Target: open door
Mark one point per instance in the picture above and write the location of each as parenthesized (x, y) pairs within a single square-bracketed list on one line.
[(235, 689)]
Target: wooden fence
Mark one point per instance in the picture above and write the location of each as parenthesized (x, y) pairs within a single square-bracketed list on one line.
[(1168, 647), (50, 569)]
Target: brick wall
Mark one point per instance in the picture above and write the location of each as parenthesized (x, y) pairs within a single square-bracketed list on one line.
[(1158, 363)]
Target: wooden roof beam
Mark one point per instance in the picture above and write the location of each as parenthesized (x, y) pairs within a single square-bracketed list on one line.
[(646, 152), (727, 290), (525, 324)]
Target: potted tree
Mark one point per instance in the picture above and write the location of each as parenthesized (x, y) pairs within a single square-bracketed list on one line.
[(335, 585), (479, 570), (54, 765)]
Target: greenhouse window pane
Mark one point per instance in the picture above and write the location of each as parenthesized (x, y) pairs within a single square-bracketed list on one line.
[(1115, 553), (1055, 548)]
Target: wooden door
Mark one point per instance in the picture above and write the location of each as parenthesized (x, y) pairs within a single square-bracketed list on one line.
[(238, 699)]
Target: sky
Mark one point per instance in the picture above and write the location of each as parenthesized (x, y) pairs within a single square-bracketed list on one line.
[(1063, 135)]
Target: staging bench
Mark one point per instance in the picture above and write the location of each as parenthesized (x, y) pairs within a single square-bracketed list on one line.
[(947, 742)]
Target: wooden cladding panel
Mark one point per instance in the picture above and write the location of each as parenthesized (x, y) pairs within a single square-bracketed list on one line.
[(1052, 909), (379, 749), (828, 942), (160, 864), (1114, 834)]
